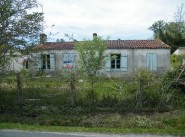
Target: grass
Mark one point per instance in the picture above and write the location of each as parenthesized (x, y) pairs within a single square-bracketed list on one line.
[(165, 131), (172, 123), (46, 107)]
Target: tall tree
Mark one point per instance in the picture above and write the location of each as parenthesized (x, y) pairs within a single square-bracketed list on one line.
[(91, 58), (172, 33), (19, 29), (159, 28)]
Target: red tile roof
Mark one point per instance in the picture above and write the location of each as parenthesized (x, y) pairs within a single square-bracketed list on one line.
[(112, 44), (56, 46), (136, 44)]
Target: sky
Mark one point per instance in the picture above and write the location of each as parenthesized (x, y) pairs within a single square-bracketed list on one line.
[(116, 19)]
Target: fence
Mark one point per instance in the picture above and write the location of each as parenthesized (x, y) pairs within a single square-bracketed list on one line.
[(31, 97)]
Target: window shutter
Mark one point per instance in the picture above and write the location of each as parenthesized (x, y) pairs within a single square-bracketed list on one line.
[(38, 62), (151, 61), (124, 62), (52, 62), (148, 61), (65, 58), (154, 60), (73, 60), (108, 63)]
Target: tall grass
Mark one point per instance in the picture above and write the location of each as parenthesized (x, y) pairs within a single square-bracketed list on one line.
[(46, 100)]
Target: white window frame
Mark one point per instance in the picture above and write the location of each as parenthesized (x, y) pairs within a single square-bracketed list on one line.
[(45, 59), (115, 62), (123, 62)]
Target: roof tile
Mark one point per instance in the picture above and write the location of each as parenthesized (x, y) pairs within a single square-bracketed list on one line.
[(111, 44)]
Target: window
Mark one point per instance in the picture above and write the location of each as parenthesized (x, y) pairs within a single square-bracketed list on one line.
[(25, 64), (69, 60), (115, 61), (45, 61), (152, 61)]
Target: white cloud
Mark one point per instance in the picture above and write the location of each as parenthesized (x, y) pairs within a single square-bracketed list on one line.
[(126, 19)]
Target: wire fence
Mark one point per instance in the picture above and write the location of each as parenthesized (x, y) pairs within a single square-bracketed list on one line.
[(34, 96)]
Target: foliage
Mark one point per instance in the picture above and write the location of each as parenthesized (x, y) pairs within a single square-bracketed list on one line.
[(171, 33), (47, 101), (151, 123), (177, 60), (19, 29), (91, 57)]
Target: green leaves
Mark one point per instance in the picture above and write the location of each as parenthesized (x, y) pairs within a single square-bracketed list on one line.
[(91, 55), (171, 33), (19, 29)]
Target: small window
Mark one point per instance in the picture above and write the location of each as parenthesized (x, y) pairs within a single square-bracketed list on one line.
[(69, 60), (25, 64), (45, 61), (115, 61), (48, 61)]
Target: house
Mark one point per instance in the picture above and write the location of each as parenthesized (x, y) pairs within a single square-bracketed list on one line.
[(131, 55), (16, 62), (180, 51)]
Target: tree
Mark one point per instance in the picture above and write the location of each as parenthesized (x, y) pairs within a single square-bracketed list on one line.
[(171, 33), (159, 28), (179, 14), (60, 40), (18, 28), (91, 58)]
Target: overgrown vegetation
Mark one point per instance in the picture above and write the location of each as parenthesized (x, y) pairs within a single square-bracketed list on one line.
[(47, 101)]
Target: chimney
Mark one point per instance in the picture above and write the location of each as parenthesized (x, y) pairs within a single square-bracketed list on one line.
[(43, 38), (94, 35)]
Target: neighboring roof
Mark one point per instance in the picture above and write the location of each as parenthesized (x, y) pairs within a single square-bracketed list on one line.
[(112, 44), (179, 51)]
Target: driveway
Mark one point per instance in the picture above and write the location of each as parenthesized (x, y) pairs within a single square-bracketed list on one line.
[(18, 133)]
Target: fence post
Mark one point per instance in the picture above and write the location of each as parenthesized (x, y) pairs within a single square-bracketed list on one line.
[(140, 94), (72, 89), (19, 96)]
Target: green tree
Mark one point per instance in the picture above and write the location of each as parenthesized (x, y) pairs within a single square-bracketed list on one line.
[(159, 28), (171, 33), (91, 58), (19, 29)]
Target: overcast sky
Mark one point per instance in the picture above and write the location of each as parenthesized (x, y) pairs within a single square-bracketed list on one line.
[(124, 19)]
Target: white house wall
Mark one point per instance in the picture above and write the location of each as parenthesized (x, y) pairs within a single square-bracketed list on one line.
[(16, 64), (58, 54), (136, 59), (163, 58)]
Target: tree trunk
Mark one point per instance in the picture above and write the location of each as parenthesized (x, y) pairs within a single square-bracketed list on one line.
[(72, 89), (92, 96)]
